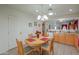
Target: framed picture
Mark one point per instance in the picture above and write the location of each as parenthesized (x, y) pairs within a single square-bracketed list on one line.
[(35, 23), (30, 24)]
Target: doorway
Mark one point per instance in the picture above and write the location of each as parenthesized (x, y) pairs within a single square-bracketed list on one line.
[(11, 32)]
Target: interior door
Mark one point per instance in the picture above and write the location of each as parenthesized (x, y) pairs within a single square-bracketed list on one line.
[(12, 37)]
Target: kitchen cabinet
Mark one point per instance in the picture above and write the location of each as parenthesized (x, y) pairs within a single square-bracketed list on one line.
[(56, 36), (62, 37), (77, 42), (70, 39), (66, 38)]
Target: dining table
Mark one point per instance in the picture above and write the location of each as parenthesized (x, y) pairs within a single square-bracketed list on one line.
[(36, 43)]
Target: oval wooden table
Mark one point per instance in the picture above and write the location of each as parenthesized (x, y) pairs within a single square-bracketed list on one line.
[(37, 42)]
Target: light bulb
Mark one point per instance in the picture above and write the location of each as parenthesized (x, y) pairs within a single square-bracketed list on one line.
[(50, 13), (42, 19), (45, 17), (36, 10), (39, 17), (55, 27), (70, 10)]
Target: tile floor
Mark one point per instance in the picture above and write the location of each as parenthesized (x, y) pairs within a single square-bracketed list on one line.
[(59, 49)]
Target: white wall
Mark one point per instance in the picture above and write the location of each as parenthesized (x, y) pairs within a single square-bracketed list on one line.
[(21, 25), (3, 30), (78, 24), (3, 33)]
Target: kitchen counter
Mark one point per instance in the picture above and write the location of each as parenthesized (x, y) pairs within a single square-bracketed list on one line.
[(58, 30)]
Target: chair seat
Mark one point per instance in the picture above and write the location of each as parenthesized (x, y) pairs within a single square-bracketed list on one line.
[(45, 45), (27, 49)]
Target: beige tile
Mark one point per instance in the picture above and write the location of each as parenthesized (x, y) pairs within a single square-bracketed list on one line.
[(59, 49)]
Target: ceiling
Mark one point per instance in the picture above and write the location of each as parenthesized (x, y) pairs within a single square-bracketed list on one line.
[(59, 9)]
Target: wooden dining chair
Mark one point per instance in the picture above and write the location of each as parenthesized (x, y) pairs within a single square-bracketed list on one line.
[(49, 47), (46, 34), (21, 49)]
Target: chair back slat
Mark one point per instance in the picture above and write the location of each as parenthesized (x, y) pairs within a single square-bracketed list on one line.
[(51, 45), (20, 47)]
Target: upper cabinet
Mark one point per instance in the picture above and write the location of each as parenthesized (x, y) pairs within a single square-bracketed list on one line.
[(73, 24)]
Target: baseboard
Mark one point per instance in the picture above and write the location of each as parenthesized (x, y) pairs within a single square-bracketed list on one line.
[(12, 48)]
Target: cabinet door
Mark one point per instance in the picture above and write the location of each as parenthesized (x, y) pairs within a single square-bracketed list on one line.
[(67, 38), (56, 37), (62, 38), (70, 39), (76, 41), (75, 37)]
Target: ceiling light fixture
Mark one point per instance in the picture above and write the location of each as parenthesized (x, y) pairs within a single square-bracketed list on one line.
[(39, 17), (61, 20), (42, 19), (70, 10), (45, 17), (50, 13), (36, 10), (42, 16)]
